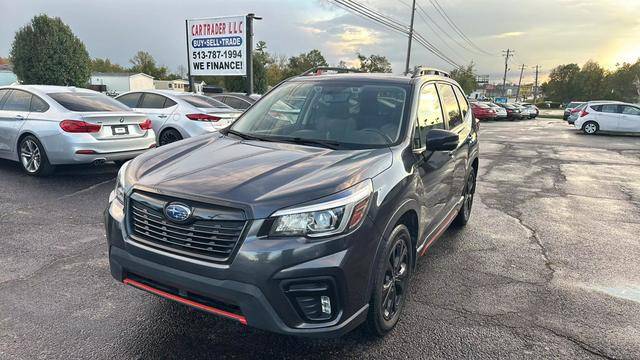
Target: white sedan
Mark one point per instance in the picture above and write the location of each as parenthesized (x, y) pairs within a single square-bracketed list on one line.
[(179, 115), (608, 116)]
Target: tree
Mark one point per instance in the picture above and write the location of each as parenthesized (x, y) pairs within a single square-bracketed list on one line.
[(590, 81), (466, 77), (143, 62), (46, 51), (622, 84), (303, 62), (374, 64), (277, 69), (562, 85), (105, 65)]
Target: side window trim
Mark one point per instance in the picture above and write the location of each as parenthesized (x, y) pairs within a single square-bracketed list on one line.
[(416, 120), (457, 104), (34, 96), (4, 98)]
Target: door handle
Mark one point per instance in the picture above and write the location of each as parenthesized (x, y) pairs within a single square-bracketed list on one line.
[(162, 116), (20, 117)]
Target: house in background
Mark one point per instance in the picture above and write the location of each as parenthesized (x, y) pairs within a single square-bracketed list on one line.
[(178, 85), (118, 83), (7, 77)]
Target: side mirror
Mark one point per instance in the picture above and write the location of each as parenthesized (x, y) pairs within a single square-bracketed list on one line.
[(442, 140)]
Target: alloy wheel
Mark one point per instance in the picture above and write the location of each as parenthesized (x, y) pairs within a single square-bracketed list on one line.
[(30, 156), (395, 279), (468, 195), (590, 128)]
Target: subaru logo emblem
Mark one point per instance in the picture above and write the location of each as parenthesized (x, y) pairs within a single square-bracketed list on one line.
[(177, 212)]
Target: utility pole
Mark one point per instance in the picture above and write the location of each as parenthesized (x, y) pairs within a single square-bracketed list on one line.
[(413, 14), (535, 87), (508, 53), (519, 83)]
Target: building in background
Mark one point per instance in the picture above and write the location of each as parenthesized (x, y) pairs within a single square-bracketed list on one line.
[(178, 85), (117, 83), (7, 77)]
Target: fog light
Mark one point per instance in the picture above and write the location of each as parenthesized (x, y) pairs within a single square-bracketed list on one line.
[(326, 304)]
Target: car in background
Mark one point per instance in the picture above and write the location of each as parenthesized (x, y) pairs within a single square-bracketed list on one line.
[(525, 112), (179, 115), (237, 101), (501, 113), (608, 116), (575, 113), (533, 110), (42, 126), (482, 111), (513, 112), (570, 106)]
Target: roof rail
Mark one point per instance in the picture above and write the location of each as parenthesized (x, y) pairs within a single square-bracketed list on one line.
[(423, 70), (320, 70)]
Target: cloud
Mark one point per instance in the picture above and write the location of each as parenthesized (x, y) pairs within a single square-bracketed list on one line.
[(510, 34)]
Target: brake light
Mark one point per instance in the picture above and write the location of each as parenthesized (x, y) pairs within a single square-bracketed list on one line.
[(203, 117), (77, 126), (575, 110), (145, 125), (583, 113)]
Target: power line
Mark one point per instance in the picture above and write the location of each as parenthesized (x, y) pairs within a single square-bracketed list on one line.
[(455, 27), (366, 12)]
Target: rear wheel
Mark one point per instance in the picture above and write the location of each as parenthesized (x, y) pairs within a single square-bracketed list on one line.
[(168, 136), (590, 127), (469, 190), (33, 158), (392, 274)]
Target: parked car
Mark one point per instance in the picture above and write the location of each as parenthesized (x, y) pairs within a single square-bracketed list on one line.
[(513, 112), (532, 110), (575, 113), (44, 126), (501, 113), (306, 225), (482, 111), (570, 106), (609, 116), (178, 115), (237, 101), (525, 112)]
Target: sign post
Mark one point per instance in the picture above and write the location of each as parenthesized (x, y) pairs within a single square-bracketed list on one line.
[(218, 46)]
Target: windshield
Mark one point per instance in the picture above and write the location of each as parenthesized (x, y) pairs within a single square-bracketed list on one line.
[(87, 101), (200, 101), (363, 115)]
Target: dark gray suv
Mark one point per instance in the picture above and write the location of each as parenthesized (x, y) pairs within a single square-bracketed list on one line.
[(308, 214)]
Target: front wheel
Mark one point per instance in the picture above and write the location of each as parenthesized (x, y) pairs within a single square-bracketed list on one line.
[(33, 158), (168, 136), (392, 274)]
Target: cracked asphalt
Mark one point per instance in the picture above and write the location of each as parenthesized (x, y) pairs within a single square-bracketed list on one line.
[(548, 267)]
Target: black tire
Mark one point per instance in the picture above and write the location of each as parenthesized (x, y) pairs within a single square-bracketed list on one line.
[(168, 136), (590, 128), (469, 190), (33, 158), (391, 279)]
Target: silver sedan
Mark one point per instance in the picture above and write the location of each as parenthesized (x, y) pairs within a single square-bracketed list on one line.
[(44, 126)]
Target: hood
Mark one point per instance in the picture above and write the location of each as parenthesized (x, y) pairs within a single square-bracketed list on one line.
[(260, 177)]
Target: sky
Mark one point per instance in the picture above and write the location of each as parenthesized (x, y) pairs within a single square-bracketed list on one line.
[(542, 32)]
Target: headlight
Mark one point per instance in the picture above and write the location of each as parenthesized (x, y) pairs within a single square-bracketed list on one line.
[(119, 191), (327, 218)]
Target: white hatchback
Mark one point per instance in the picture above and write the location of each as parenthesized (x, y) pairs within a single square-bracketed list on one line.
[(178, 115), (608, 116)]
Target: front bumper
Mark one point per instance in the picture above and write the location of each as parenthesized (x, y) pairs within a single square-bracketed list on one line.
[(254, 282)]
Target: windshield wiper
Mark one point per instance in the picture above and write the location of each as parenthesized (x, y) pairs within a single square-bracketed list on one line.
[(245, 136), (333, 145)]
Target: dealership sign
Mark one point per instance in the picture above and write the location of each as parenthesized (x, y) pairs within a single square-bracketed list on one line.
[(217, 46)]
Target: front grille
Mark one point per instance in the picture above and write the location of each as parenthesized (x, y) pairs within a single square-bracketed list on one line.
[(213, 240)]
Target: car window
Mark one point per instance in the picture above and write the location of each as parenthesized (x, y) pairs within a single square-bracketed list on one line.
[(202, 101), (353, 115), (462, 101), (450, 105), (3, 94), (152, 101), (18, 100), (630, 110), (236, 103), (87, 102), (38, 105), (610, 108), (429, 114), (169, 103), (131, 100)]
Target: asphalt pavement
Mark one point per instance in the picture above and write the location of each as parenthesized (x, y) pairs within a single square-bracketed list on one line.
[(548, 267)]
